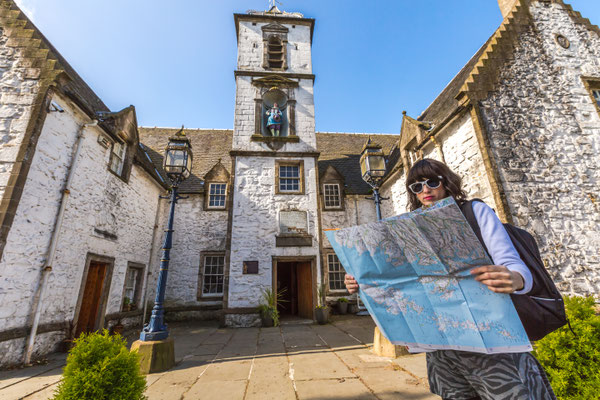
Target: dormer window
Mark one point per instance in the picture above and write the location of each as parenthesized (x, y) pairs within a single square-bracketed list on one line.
[(331, 196), (117, 158), (275, 53), (217, 195)]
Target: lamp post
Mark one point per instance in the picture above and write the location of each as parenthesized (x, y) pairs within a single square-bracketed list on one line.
[(155, 346)]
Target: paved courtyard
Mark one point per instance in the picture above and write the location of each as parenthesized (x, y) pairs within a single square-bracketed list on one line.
[(294, 361)]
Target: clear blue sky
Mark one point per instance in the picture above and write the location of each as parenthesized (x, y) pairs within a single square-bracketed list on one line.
[(174, 60)]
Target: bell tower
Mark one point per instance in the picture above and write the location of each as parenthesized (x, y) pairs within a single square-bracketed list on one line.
[(273, 239)]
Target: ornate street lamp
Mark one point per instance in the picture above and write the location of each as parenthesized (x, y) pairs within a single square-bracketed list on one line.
[(372, 168), (159, 355)]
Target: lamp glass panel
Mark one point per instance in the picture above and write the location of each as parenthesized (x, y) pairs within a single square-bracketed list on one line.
[(376, 165)]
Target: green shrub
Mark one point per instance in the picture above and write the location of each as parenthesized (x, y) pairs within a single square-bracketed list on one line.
[(100, 367), (572, 362)]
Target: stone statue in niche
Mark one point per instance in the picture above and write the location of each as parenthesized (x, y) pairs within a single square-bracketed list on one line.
[(274, 120)]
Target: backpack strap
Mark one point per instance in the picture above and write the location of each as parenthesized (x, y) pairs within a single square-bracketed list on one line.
[(467, 209)]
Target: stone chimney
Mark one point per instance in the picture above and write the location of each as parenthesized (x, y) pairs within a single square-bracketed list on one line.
[(506, 6)]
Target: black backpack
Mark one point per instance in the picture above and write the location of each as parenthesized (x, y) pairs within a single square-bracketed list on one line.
[(542, 310)]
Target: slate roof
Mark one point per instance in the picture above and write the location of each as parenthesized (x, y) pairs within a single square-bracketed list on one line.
[(208, 145), (342, 151), (445, 103)]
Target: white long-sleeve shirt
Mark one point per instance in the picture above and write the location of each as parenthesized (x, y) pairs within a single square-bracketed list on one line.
[(498, 243)]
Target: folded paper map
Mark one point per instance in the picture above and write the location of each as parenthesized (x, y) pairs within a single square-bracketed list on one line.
[(413, 273)]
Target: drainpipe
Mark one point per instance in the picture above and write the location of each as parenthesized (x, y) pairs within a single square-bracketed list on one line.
[(152, 249), (47, 268)]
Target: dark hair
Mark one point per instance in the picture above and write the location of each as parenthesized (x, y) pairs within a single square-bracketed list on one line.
[(429, 168)]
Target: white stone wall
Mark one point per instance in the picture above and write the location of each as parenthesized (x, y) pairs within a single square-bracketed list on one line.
[(255, 225), (195, 231), (357, 211), (98, 199), (461, 153), (19, 89), (250, 48), (545, 136)]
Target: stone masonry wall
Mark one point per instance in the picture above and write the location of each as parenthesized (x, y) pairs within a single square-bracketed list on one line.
[(98, 199), (255, 225), (250, 48), (462, 155), (19, 87), (357, 211), (545, 136)]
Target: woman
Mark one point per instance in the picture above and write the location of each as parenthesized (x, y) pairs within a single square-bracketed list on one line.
[(461, 375)]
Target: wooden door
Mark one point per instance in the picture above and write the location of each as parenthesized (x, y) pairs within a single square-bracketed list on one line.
[(305, 286), (92, 293)]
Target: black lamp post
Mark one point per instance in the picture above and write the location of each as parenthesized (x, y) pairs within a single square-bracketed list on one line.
[(177, 165), (372, 168)]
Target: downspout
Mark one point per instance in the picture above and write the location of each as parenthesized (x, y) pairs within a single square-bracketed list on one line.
[(152, 249), (47, 268)]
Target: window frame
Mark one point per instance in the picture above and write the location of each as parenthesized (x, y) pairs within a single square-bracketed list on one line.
[(125, 161), (289, 163), (340, 205), (202, 275), (137, 288), (207, 205), (329, 272)]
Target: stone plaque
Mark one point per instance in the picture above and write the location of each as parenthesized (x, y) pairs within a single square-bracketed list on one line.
[(293, 222), (250, 267)]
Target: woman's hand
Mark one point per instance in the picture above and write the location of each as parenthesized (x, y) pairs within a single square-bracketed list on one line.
[(498, 278), (351, 284)]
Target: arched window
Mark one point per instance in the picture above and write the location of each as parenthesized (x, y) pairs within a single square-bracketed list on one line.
[(275, 104), (275, 52)]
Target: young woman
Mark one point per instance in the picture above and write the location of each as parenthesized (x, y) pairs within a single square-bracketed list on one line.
[(460, 375)]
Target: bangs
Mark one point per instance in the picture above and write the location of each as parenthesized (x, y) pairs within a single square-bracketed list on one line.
[(423, 169)]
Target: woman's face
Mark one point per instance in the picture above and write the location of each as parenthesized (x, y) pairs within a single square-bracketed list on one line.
[(429, 196)]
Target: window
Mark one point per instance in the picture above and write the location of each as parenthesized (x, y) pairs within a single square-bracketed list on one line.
[(289, 177), (596, 94), (133, 287), (336, 273), (217, 195), (275, 53), (117, 158), (331, 195), (212, 275)]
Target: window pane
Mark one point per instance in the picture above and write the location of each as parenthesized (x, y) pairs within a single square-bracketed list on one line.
[(332, 196), (336, 273), (597, 96), (217, 195), (213, 275)]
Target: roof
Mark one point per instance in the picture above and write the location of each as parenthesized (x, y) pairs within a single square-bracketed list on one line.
[(208, 146), (342, 151)]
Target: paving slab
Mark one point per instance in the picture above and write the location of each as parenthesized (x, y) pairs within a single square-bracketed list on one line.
[(321, 364), (28, 386), (216, 390), (333, 389), (43, 394)]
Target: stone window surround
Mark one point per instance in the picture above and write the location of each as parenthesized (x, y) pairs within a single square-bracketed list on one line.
[(340, 196), (300, 164), (200, 295), (278, 32), (207, 206), (105, 289), (326, 256), (138, 285), (592, 84)]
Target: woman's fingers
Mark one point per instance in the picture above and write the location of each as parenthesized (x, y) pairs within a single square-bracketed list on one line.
[(351, 284), (498, 278)]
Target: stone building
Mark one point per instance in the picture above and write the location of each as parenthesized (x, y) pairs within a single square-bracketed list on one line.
[(519, 122)]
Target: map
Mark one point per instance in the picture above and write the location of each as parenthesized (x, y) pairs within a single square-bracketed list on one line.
[(413, 274)]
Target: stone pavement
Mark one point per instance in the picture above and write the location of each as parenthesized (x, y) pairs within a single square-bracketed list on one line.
[(294, 361)]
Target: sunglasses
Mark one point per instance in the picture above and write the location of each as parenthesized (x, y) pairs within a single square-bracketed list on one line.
[(432, 183)]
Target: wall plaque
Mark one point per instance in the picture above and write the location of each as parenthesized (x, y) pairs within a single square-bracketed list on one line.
[(293, 222), (250, 267)]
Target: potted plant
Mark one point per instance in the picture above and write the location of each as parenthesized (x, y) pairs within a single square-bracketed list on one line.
[(126, 304), (342, 305), (321, 310), (268, 308)]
